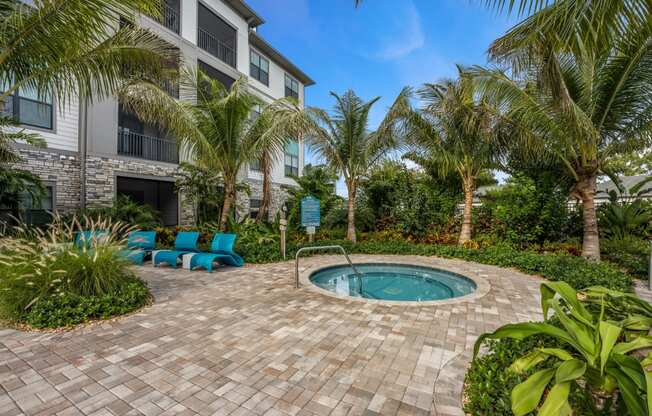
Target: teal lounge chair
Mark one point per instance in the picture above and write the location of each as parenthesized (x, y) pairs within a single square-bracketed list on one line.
[(139, 245), (221, 252), (185, 243)]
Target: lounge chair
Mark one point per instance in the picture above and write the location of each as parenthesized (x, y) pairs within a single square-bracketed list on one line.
[(139, 245), (186, 242), (221, 252)]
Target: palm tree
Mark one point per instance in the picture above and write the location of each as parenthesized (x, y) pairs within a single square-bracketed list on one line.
[(457, 133), (216, 131), (583, 107), (64, 48), (345, 142)]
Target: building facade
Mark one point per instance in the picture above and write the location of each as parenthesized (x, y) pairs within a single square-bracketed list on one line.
[(96, 153)]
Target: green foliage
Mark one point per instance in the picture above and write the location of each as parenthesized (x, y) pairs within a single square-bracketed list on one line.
[(203, 190), (38, 265), (68, 309), (627, 214), (123, 210), (402, 198), (597, 340), (632, 254), (526, 212), (15, 185)]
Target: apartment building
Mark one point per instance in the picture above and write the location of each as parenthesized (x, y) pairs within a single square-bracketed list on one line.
[(97, 153)]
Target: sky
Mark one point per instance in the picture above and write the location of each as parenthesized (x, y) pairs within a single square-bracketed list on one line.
[(379, 47)]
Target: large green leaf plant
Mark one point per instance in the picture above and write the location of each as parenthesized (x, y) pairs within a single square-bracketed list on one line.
[(600, 329)]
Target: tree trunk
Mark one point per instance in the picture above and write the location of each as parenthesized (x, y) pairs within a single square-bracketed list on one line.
[(263, 212), (350, 230), (467, 219), (585, 188), (229, 197)]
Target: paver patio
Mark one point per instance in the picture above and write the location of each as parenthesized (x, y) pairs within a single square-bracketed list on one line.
[(246, 342)]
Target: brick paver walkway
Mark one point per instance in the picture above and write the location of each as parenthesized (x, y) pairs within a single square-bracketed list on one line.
[(245, 342)]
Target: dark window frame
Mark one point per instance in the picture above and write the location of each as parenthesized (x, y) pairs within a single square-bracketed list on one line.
[(13, 110), (291, 169), (289, 90), (256, 71)]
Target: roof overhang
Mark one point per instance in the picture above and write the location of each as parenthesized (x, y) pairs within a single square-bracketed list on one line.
[(261, 44), (252, 18)]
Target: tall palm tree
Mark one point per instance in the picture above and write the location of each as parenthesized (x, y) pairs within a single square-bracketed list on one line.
[(582, 106), (456, 132), (344, 140), (216, 131)]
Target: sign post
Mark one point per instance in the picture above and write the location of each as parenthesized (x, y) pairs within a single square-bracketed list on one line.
[(310, 215)]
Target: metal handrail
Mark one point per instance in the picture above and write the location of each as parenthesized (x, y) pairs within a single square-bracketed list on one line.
[(314, 248)]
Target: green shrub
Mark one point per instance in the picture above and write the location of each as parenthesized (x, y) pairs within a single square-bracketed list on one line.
[(46, 264), (489, 381), (632, 254), (67, 309), (526, 211)]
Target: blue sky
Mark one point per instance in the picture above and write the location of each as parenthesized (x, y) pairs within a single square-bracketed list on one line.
[(380, 47)]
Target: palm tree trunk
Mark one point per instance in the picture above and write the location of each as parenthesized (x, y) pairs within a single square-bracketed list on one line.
[(350, 231), (263, 212), (229, 197), (467, 219), (585, 188)]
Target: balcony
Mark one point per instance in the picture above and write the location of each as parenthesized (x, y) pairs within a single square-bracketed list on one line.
[(216, 47), (170, 17), (146, 147)]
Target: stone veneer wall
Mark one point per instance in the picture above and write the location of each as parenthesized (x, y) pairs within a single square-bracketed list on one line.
[(59, 168), (279, 196), (101, 176)]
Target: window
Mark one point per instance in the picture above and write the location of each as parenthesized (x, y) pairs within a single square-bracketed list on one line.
[(256, 165), (291, 87), (29, 108), (292, 159), (259, 67), (254, 207), (36, 213), (216, 74)]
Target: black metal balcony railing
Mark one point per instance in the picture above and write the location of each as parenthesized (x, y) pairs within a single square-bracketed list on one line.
[(147, 147), (216, 47), (170, 18)]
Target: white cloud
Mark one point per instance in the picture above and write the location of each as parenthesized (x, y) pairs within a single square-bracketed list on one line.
[(403, 36)]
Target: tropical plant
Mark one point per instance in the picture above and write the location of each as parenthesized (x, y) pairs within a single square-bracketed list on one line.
[(124, 210), (15, 186), (580, 87), (597, 328), (626, 214), (408, 200), (38, 264), (457, 132), (66, 49), (202, 189), (526, 211), (217, 131), (344, 140)]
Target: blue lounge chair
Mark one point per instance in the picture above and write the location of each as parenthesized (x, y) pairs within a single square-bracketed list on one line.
[(86, 239), (139, 245), (221, 252), (185, 243)]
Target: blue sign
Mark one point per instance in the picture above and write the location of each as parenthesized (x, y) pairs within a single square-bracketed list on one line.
[(310, 214)]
